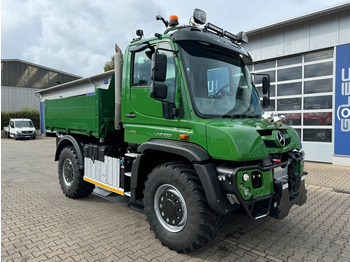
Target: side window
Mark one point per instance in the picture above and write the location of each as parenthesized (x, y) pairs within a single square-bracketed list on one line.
[(12, 125), (170, 80), (142, 68)]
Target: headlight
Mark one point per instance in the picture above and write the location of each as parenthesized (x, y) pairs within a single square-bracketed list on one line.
[(245, 177)]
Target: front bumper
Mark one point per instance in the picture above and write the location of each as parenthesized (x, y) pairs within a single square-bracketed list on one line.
[(288, 189), (26, 135)]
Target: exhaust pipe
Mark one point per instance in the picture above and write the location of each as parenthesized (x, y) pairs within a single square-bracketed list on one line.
[(118, 68)]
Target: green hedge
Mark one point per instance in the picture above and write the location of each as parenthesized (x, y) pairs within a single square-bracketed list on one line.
[(34, 115)]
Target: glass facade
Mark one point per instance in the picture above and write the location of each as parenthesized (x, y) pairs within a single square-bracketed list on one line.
[(302, 90)]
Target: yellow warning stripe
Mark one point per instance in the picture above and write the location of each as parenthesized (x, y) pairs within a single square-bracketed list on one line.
[(104, 186)]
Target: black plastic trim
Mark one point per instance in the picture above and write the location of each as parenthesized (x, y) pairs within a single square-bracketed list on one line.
[(190, 34), (192, 152), (216, 197)]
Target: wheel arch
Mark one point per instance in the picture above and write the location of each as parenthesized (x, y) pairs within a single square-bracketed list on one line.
[(144, 164), (69, 140), (180, 151)]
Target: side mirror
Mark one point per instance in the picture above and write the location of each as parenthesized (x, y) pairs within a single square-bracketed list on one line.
[(266, 85), (158, 91), (265, 101), (159, 66)]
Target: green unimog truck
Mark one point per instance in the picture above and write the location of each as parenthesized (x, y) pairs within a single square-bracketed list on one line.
[(178, 128)]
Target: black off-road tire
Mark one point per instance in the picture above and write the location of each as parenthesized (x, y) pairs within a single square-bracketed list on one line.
[(71, 176), (173, 192)]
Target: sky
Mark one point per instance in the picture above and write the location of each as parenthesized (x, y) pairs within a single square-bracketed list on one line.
[(78, 36)]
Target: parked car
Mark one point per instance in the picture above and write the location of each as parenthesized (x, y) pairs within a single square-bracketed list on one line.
[(20, 129)]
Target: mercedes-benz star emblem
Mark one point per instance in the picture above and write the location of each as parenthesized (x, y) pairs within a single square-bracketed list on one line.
[(280, 138)]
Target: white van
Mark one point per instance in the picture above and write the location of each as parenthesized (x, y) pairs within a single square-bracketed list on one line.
[(20, 128)]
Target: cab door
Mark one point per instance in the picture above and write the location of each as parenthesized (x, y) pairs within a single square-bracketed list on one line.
[(145, 117), (12, 128)]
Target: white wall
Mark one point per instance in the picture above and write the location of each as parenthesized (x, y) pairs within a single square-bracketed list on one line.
[(299, 37)]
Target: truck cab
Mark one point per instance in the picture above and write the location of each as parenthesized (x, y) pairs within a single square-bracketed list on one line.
[(180, 131)]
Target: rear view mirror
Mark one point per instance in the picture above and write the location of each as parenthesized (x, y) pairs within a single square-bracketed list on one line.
[(265, 85), (159, 66), (265, 102), (158, 91)]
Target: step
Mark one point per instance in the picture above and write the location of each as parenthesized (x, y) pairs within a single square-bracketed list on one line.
[(127, 174), (133, 155), (127, 194)]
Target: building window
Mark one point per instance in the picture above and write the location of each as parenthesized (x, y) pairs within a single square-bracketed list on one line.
[(318, 86), (289, 89), (289, 73), (302, 90)]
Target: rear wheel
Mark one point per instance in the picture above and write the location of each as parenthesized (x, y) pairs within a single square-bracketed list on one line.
[(71, 176), (176, 208)]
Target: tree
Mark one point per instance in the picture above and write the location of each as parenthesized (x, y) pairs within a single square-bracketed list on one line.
[(109, 65)]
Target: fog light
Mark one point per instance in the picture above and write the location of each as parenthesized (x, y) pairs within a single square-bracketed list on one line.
[(246, 191), (245, 177)]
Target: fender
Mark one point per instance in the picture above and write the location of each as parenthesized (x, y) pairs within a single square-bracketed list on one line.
[(73, 141), (202, 163), (192, 152)]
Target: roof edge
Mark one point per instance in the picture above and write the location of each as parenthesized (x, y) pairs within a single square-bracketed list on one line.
[(77, 82), (319, 13), (40, 66)]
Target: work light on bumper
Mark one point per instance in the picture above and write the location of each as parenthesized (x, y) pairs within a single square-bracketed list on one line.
[(246, 191), (245, 177)]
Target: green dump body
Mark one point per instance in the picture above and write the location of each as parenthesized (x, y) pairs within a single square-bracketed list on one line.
[(88, 114)]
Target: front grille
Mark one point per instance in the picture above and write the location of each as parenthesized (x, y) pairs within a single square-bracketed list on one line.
[(269, 143), (273, 143), (27, 132), (266, 132)]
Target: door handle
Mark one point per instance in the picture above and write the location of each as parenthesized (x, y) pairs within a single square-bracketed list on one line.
[(131, 115)]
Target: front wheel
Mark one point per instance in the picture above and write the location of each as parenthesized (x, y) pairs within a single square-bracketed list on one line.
[(71, 176), (177, 209)]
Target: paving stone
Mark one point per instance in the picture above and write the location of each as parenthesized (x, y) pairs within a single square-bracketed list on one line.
[(40, 224)]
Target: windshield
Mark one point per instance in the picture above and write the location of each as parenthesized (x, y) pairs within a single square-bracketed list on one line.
[(219, 82), (23, 124)]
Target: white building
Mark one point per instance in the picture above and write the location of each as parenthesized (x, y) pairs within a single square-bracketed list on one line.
[(308, 60)]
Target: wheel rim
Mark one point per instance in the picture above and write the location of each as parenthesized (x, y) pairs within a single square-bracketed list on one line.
[(170, 208), (67, 172)]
